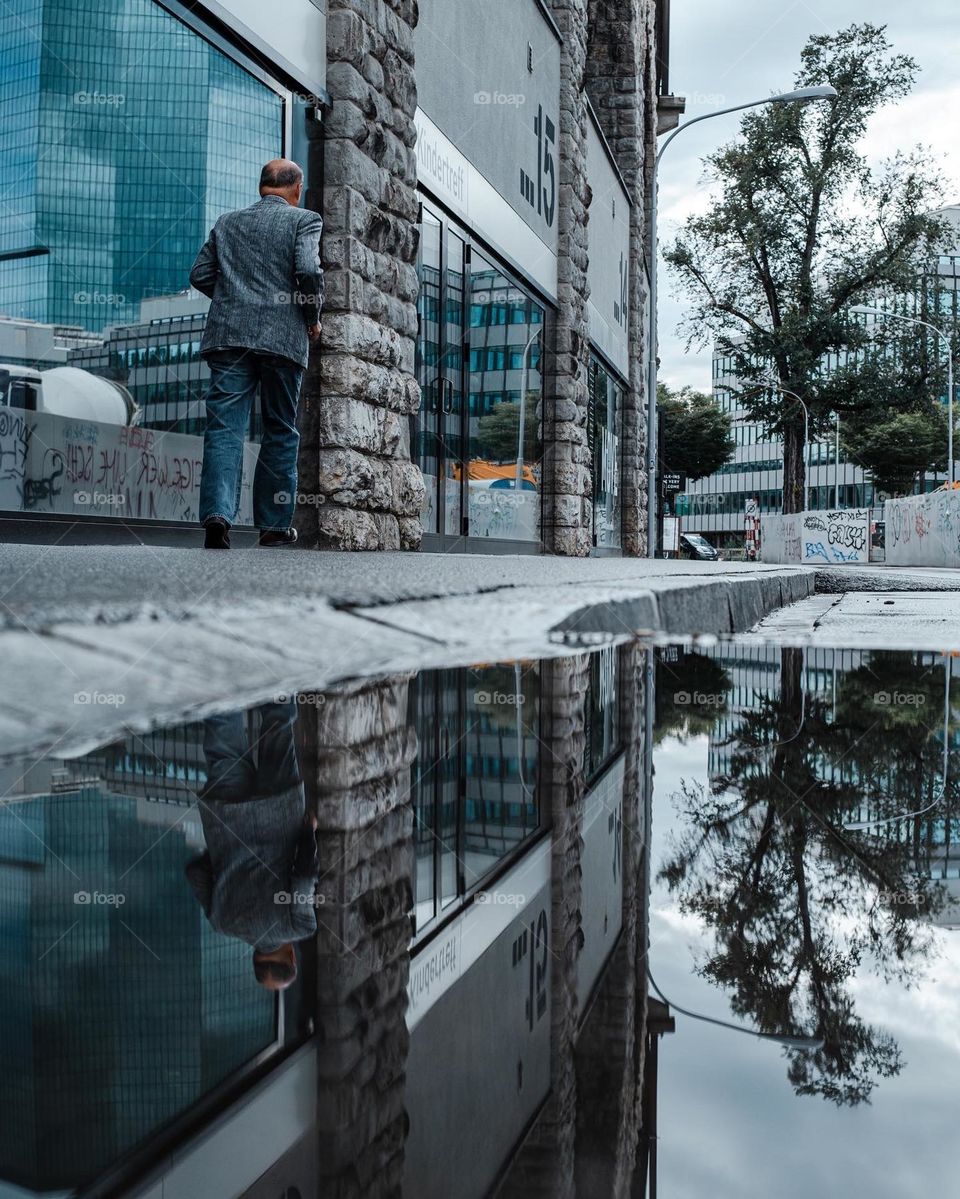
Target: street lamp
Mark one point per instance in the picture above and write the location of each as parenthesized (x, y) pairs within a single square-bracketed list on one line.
[(809, 1044), (912, 320), (802, 96)]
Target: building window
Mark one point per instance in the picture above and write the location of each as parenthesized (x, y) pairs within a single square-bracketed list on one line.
[(124, 134)]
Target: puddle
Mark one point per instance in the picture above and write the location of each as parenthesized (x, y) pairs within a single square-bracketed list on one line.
[(396, 936)]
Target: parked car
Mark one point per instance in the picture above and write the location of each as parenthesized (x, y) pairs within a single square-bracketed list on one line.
[(692, 545)]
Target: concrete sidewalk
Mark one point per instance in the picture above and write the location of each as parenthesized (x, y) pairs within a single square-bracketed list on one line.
[(100, 638)]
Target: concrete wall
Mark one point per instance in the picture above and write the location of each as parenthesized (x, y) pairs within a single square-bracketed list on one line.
[(923, 530), (54, 463), (608, 269), (815, 538), (474, 85)]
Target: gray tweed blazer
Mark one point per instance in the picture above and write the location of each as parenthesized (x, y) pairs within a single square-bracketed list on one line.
[(261, 267)]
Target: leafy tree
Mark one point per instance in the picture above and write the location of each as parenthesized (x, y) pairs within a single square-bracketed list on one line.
[(498, 431), (696, 432), (899, 446), (802, 229)]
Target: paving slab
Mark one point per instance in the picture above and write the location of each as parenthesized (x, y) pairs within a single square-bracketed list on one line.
[(101, 639), (896, 619)]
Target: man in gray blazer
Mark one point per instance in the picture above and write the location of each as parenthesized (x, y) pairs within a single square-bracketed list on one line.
[(261, 267)]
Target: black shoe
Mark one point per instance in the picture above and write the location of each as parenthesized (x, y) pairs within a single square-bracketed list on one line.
[(216, 535), (278, 537)]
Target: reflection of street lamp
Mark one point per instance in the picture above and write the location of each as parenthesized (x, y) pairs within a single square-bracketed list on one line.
[(912, 320), (797, 97), (523, 404), (809, 1044), (859, 825)]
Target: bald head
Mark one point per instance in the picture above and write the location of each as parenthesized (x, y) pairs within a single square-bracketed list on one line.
[(282, 177)]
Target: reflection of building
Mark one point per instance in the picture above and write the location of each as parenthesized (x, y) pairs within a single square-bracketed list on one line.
[(115, 184), (716, 504), (120, 1007), (157, 359), (754, 675)]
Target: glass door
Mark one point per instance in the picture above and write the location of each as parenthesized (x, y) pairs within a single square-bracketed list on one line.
[(476, 436), (438, 426)]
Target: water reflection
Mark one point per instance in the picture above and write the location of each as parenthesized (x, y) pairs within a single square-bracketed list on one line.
[(395, 936), (795, 902)]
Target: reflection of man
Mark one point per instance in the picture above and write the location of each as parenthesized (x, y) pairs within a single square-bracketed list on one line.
[(261, 268), (256, 880)]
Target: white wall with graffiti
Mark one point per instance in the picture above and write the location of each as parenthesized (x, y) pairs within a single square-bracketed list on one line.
[(816, 538), (923, 530), (57, 464)]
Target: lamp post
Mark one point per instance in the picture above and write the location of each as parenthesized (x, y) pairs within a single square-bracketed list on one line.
[(802, 96), (836, 467), (809, 1044), (913, 320)]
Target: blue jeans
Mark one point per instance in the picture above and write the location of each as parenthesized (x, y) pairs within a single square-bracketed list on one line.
[(234, 376)]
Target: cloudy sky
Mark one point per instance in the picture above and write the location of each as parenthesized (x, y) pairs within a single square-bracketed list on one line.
[(727, 53)]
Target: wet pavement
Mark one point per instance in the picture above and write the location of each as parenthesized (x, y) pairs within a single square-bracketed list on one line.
[(640, 919)]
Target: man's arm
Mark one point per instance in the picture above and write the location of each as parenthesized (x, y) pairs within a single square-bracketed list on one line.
[(206, 269), (309, 273)]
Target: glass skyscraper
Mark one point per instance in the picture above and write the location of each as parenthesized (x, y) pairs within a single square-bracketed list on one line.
[(124, 135)]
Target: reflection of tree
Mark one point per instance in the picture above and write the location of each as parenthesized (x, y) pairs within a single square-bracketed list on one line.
[(797, 906), (691, 695), (498, 431)]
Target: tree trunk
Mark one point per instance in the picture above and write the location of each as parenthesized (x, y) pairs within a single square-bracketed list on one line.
[(794, 469)]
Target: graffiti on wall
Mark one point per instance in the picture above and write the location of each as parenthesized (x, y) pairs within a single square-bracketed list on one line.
[(56, 464), (811, 538), (924, 530)]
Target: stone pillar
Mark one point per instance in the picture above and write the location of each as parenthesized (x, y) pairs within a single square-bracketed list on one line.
[(361, 389), (567, 479), (622, 85), (357, 762)]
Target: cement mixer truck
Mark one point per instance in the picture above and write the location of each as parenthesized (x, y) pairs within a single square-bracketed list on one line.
[(67, 391)]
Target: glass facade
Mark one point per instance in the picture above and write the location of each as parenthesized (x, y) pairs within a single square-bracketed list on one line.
[(124, 134), (479, 353), (604, 416)]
